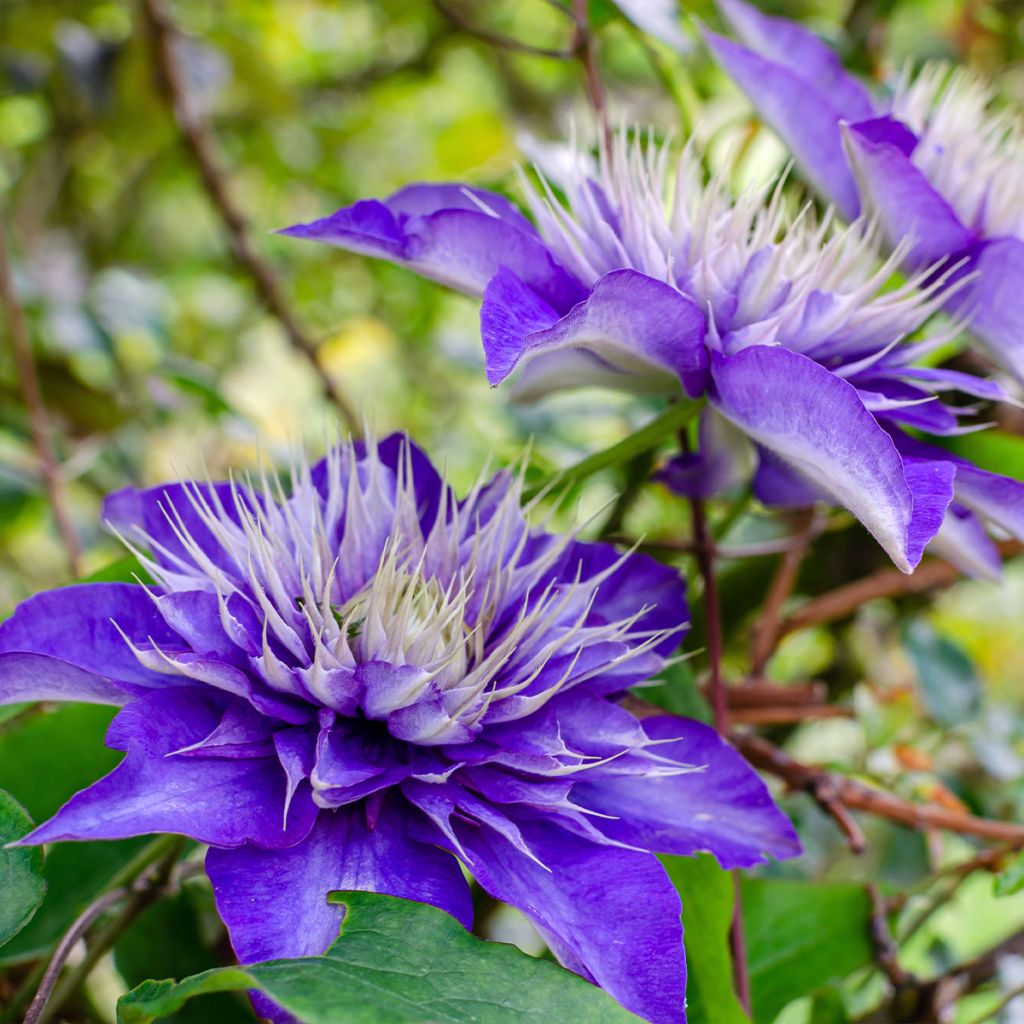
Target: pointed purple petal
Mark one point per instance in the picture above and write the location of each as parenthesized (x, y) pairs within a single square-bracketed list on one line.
[(723, 808), (786, 43), (221, 801), (639, 332), (607, 913), (995, 302), (805, 117), (814, 422), (892, 188), (76, 624), (995, 498), (154, 509), (444, 234), (31, 677), (274, 902)]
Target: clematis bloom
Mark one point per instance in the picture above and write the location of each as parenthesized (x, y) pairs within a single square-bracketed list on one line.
[(646, 277), (936, 161), (360, 683)]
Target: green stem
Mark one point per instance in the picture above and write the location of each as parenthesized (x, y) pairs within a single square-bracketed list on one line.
[(674, 419)]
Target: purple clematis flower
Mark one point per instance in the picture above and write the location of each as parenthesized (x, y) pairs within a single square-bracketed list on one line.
[(645, 277), (363, 683), (935, 161)]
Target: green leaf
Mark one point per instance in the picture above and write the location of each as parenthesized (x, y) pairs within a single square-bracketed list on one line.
[(994, 450), (124, 570), (1011, 879), (676, 691), (168, 939), (799, 937), (21, 870), (398, 962), (949, 685), (669, 422), (44, 760), (707, 894)]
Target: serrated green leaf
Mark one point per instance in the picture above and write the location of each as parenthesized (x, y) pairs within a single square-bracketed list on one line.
[(1011, 879), (799, 937), (21, 870), (707, 895), (398, 962)]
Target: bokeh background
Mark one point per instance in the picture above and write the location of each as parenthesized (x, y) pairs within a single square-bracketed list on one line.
[(157, 358)]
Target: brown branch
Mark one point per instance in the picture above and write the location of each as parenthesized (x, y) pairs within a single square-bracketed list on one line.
[(834, 791), (787, 715), (202, 147), (38, 420), (845, 600), (452, 13), (887, 953), (585, 47), (765, 636)]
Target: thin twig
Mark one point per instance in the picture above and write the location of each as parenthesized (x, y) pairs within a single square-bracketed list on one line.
[(838, 793), (765, 636), (451, 12), (585, 47), (38, 420), (887, 953), (69, 940), (152, 868), (788, 714), (845, 600), (705, 555), (201, 145)]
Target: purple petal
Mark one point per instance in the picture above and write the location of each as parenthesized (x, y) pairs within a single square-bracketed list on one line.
[(639, 332), (723, 461), (806, 118), (154, 509), (777, 485), (785, 42), (931, 483), (658, 18), (814, 422), (996, 302), (607, 913), (274, 902), (221, 801), (995, 498), (963, 542), (660, 586), (31, 677), (892, 188), (76, 624), (443, 234), (941, 379), (723, 808)]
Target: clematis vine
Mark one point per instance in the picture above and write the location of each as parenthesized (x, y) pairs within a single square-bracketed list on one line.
[(361, 682), (938, 161), (646, 277)]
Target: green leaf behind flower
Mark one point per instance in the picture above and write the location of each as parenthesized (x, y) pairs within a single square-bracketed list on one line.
[(398, 962), (21, 870)]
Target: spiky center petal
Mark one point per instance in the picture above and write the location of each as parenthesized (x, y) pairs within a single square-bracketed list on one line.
[(765, 274)]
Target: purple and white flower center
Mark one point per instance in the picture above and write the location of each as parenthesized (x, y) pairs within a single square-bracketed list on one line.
[(766, 275)]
